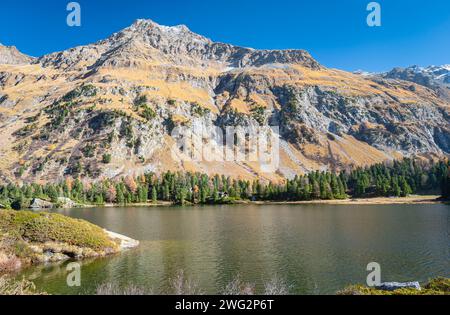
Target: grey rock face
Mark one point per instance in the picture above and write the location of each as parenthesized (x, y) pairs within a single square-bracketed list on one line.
[(416, 128)]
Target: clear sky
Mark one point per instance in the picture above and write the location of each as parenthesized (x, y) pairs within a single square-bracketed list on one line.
[(335, 32)]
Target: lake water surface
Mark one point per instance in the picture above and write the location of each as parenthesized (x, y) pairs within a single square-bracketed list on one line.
[(316, 249)]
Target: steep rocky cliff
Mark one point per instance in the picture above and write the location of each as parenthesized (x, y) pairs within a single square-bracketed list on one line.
[(107, 109)]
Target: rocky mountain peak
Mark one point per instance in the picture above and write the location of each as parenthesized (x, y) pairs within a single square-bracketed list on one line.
[(155, 34), (146, 40), (146, 24), (10, 55)]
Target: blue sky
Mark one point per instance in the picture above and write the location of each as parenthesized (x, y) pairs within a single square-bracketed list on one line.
[(333, 31)]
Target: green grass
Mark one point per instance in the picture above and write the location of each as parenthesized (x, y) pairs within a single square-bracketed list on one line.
[(438, 286), (43, 227)]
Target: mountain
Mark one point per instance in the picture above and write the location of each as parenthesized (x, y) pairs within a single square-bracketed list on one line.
[(146, 42), (107, 110), (11, 56), (433, 77)]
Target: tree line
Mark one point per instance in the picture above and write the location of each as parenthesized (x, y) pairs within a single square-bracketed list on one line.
[(396, 178)]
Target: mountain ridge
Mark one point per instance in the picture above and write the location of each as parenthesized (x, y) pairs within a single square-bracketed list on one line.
[(173, 42)]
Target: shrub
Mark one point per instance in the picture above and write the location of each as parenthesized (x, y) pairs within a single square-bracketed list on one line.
[(259, 114), (89, 151), (147, 113), (106, 159), (140, 101), (198, 110)]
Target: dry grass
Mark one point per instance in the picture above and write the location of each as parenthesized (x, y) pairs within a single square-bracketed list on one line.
[(9, 263), (184, 286), (238, 287), (276, 287), (113, 289), (181, 285), (9, 286)]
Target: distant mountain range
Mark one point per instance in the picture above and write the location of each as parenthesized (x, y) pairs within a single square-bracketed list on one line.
[(106, 110), (433, 77)]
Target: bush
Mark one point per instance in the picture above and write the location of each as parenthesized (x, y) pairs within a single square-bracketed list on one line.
[(198, 110), (106, 159), (258, 113), (89, 151), (140, 101), (147, 113)]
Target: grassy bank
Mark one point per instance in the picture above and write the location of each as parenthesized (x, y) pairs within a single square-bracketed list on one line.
[(438, 286), (29, 237)]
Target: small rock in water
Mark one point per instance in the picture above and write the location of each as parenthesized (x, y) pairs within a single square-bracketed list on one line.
[(392, 286)]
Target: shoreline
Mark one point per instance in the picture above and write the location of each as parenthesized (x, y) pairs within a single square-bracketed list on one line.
[(418, 199), (414, 199)]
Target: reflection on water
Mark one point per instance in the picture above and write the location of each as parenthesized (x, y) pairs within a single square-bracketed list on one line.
[(314, 248)]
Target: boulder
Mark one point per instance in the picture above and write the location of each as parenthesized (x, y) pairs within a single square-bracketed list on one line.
[(124, 242), (392, 286), (66, 203), (40, 204)]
